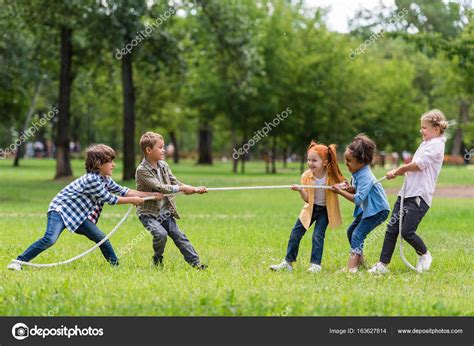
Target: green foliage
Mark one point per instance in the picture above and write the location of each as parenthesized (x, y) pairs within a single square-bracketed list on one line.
[(233, 66)]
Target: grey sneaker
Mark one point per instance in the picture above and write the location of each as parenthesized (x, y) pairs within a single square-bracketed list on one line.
[(282, 266)]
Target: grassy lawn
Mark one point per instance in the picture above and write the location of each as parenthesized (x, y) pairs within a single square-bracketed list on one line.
[(239, 234)]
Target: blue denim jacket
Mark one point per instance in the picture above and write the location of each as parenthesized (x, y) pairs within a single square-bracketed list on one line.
[(369, 198)]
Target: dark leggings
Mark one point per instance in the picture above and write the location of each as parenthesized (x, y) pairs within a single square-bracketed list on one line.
[(414, 211)]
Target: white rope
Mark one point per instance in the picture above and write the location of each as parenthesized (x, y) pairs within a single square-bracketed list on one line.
[(235, 188), (230, 188), (400, 224), (43, 265), (265, 187)]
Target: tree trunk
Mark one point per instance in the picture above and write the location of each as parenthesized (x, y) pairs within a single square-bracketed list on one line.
[(243, 158), (302, 162), (205, 144), (235, 161), (175, 145), (128, 118), (463, 119), (19, 151), (285, 156), (266, 158), (274, 144), (63, 163)]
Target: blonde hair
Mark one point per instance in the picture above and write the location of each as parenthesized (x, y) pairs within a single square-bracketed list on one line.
[(436, 118), (96, 155), (149, 139)]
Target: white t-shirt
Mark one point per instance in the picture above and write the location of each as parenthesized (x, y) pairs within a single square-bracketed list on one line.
[(320, 194), (429, 158)]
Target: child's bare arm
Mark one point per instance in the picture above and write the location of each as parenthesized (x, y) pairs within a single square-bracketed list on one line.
[(351, 189), (131, 200), (135, 193), (303, 193), (409, 167), (345, 186), (344, 193)]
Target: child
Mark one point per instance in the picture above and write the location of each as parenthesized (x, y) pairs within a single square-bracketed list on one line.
[(371, 204), (154, 175), (77, 207), (321, 206), (420, 182)]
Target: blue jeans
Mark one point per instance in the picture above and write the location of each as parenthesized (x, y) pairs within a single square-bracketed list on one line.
[(320, 215), (54, 229), (361, 227)]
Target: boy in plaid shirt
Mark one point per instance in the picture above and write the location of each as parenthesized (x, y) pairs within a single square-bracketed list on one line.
[(77, 207), (154, 175)]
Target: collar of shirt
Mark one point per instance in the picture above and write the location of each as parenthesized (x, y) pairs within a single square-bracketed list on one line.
[(149, 166), (314, 177), (361, 171), (157, 171), (441, 138), (104, 179)]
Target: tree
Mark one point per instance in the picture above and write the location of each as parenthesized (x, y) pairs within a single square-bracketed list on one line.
[(62, 19), (235, 60), (122, 19), (441, 31)]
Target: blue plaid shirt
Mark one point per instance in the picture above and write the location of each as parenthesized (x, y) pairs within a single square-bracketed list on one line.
[(84, 199)]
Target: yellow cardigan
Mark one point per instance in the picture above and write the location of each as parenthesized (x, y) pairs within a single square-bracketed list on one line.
[(332, 202)]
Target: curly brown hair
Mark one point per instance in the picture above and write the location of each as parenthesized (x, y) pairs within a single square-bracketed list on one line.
[(362, 148), (96, 155)]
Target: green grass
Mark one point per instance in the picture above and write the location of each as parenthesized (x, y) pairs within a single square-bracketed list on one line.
[(239, 234)]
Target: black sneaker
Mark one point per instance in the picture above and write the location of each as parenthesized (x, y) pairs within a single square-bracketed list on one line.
[(157, 260), (199, 266)]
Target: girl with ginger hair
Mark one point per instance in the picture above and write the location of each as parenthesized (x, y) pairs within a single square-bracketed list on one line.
[(321, 206)]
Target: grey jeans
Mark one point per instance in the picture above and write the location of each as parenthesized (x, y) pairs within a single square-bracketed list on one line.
[(160, 228)]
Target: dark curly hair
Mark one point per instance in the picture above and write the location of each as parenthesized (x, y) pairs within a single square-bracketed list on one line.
[(362, 148)]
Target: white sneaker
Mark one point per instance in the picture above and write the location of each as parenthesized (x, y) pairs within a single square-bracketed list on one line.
[(14, 266), (347, 270), (314, 268), (282, 266), (378, 268), (424, 262)]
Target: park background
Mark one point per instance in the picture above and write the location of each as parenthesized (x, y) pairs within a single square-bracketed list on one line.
[(210, 76)]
